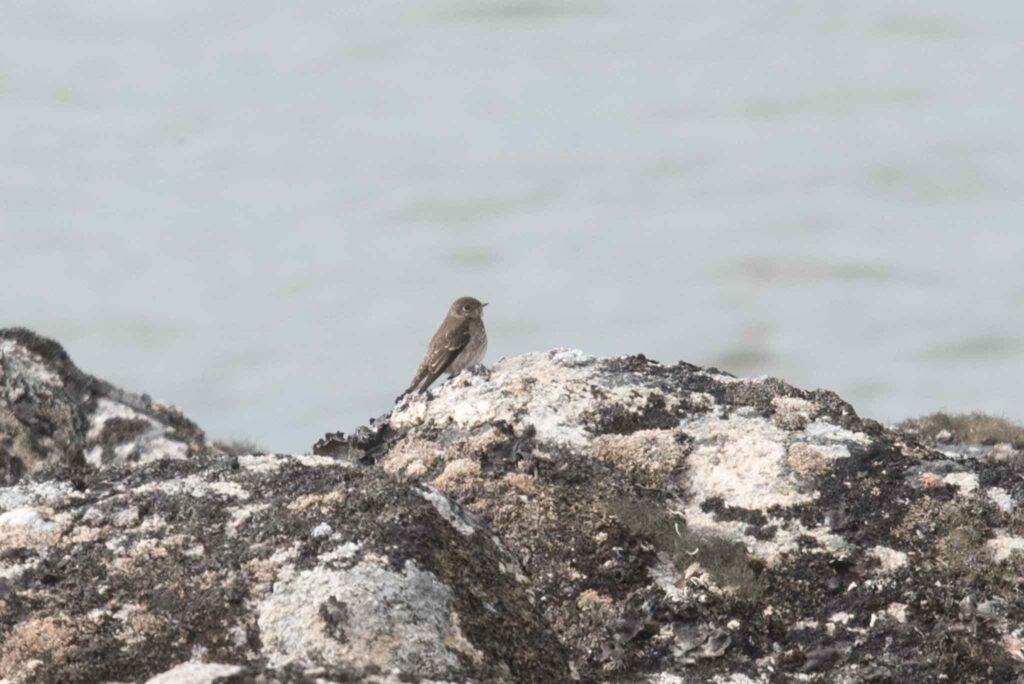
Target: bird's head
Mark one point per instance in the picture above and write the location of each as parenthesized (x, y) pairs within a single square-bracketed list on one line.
[(467, 307)]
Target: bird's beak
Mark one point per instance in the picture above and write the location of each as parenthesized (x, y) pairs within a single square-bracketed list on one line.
[(484, 304)]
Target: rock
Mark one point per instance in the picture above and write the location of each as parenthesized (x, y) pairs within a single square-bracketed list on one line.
[(54, 416), (692, 502), (197, 673), (168, 563), (558, 518), (156, 564)]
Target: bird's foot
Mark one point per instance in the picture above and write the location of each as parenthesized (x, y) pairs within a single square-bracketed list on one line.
[(481, 370)]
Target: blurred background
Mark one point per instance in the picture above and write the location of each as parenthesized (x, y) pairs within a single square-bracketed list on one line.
[(260, 211)]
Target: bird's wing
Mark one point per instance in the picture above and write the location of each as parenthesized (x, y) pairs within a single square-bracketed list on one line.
[(445, 348)]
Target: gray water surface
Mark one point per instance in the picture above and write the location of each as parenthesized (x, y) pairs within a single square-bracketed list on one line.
[(260, 212)]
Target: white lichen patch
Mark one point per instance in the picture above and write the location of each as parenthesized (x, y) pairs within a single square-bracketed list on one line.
[(31, 368), (444, 507), (160, 449), (702, 401), (128, 517), (741, 459), (145, 550), (890, 559), (197, 487), (321, 531), (785, 540), (554, 393), (1001, 498), (967, 482), (737, 678), (366, 616), (346, 551), (107, 410), (667, 578), (25, 517), (752, 463), (894, 612), (84, 534), (570, 358), (240, 515), (317, 461), (840, 618), (898, 612), (195, 673), (94, 456), (268, 463), (832, 452), (824, 432), (28, 527), (152, 444), (806, 624), (1002, 546), (665, 678), (12, 573), (260, 463), (37, 494)]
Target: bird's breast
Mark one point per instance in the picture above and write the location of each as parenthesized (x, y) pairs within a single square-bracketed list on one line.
[(474, 350)]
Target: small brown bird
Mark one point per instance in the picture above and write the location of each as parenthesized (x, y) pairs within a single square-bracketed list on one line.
[(459, 343)]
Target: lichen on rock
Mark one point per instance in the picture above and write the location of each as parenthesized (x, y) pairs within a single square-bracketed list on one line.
[(55, 417), (556, 517), (650, 502)]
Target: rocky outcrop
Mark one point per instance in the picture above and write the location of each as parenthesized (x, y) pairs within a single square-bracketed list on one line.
[(55, 418), (554, 518)]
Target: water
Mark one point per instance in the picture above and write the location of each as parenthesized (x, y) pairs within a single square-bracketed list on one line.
[(260, 212)]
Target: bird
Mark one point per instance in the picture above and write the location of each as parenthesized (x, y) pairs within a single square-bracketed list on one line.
[(459, 343)]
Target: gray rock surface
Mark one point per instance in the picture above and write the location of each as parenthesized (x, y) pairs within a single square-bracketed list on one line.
[(53, 416), (553, 518)]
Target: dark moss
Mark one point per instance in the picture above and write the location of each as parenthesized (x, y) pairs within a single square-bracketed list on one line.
[(851, 489), (11, 467), (1007, 475), (717, 505), (619, 419), (503, 455), (240, 447), (759, 395), (525, 644), (117, 431), (336, 616), (965, 428), (727, 562), (637, 363)]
